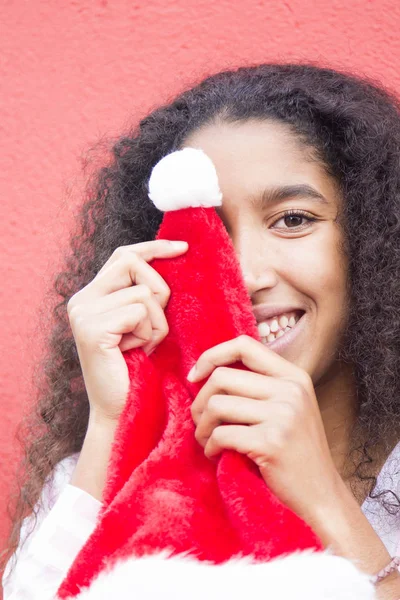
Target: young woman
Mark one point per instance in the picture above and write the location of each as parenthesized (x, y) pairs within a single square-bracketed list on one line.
[(308, 160)]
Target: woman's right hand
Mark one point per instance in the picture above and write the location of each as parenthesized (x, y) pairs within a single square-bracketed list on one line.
[(121, 308)]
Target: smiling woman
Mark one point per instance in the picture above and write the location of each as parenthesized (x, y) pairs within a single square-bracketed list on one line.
[(308, 162), (281, 209)]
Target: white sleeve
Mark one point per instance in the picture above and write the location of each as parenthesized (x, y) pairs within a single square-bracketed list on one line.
[(66, 517)]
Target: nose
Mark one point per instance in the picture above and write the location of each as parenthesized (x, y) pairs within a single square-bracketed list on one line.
[(266, 279), (258, 265)]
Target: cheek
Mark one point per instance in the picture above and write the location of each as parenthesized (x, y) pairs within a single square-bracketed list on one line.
[(331, 267), (318, 269)]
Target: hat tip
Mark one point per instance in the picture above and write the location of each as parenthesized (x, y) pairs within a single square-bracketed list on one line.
[(184, 178)]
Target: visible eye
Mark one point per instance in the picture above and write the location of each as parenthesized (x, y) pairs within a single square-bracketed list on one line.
[(294, 219)]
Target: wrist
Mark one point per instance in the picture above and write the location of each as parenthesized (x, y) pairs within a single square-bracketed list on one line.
[(99, 420), (327, 512), (90, 473), (336, 519), (343, 527), (339, 503)]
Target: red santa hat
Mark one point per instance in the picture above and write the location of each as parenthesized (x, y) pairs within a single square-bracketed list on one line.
[(173, 523)]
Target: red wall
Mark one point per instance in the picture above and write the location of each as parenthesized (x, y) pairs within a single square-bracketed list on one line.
[(73, 71)]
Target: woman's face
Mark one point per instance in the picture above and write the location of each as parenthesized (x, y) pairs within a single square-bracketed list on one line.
[(280, 209)]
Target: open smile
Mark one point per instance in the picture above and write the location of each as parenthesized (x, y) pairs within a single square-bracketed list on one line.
[(280, 331)]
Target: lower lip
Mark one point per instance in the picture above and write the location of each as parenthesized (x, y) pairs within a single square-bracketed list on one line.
[(280, 344)]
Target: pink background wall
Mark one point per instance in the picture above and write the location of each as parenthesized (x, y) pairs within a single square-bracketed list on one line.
[(73, 71)]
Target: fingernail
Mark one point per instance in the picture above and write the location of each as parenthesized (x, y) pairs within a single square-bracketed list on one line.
[(179, 245), (192, 374)]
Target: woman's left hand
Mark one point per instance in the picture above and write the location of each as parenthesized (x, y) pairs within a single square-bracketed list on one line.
[(271, 414)]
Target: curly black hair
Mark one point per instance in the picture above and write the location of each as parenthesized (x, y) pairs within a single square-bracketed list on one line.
[(353, 125)]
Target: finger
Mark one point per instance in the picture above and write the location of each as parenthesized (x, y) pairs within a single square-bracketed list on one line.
[(106, 332), (142, 331), (230, 409), (135, 294), (122, 297), (127, 297), (129, 270), (155, 316), (231, 437), (252, 353), (235, 382), (148, 251)]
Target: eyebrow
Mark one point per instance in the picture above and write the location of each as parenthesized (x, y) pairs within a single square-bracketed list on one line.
[(278, 194)]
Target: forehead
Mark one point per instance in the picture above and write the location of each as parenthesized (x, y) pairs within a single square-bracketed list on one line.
[(250, 156)]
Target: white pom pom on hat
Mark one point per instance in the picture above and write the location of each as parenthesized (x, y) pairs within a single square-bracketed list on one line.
[(184, 178)]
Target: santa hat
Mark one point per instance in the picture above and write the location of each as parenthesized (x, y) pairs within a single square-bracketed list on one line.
[(173, 523)]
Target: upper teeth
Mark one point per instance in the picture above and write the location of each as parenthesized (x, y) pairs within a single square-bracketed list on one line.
[(277, 325)]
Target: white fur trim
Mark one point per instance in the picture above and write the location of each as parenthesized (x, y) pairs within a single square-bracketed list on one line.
[(303, 575), (185, 178)]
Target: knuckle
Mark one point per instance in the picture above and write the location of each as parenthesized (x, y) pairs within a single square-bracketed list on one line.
[(214, 404), (214, 437), (195, 412), (272, 443), (217, 435), (74, 301), (141, 309), (75, 314), (70, 305), (163, 333), (197, 435), (119, 252), (303, 379), (242, 338), (245, 340), (306, 382), (297, 391), (143, 291), (213, 379), (160, 334), (218, 375), (165, 293), (126, 257)]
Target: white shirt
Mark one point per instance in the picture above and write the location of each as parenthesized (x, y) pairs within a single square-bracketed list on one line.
[(386, 525), (67, 516)]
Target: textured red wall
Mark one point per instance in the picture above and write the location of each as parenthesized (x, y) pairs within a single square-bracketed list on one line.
[(73, 71)]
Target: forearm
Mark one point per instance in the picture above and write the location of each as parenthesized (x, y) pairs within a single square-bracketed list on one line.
[(91, 469), (344, 528)]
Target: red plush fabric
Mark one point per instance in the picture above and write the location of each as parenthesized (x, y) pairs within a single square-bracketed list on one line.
[(162, 492)]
